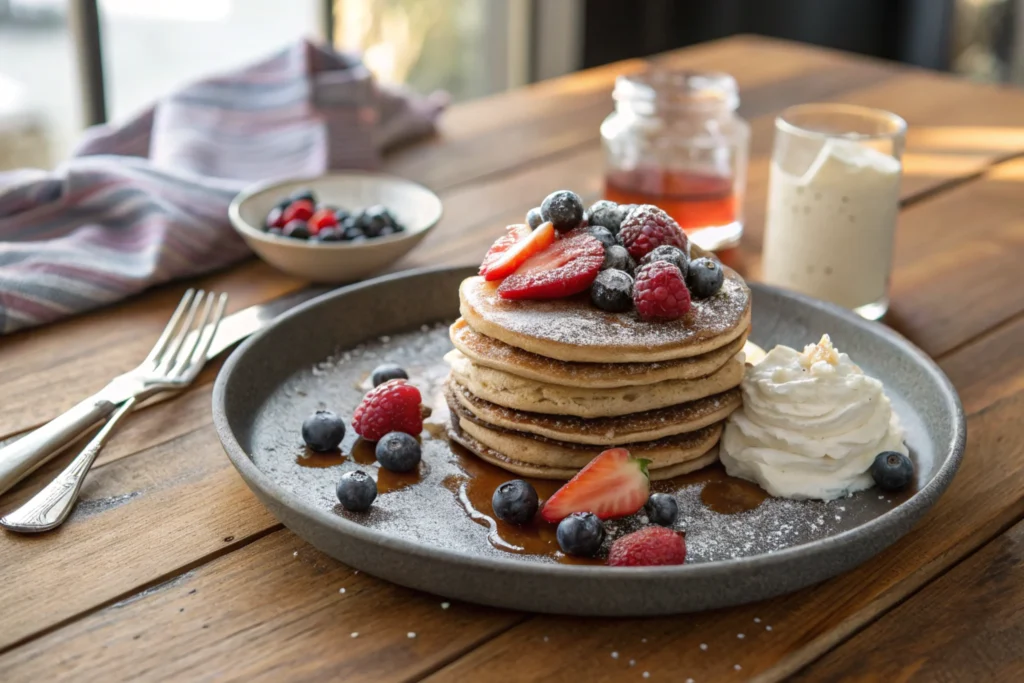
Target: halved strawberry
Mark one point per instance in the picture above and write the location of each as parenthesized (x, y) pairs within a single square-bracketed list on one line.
[(507, 261), (614, 484), (565, 268), (503, 244)]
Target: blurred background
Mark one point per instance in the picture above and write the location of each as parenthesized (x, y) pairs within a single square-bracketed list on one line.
[(66, 64)]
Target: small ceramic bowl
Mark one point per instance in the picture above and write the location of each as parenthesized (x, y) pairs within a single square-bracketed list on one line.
[(412, 205)]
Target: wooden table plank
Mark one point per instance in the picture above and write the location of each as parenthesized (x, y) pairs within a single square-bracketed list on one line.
[(262, 613), (972, 511), (966, 626)]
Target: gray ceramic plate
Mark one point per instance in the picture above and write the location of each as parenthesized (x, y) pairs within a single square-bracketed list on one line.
[(418, 533)]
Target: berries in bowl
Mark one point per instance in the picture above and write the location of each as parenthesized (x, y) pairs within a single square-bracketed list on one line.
[(338, 227)]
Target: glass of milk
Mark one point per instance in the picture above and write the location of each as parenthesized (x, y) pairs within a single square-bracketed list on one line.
[(833, 199)]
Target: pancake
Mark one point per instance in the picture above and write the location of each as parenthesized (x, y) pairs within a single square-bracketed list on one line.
[(563, 473), (492, 353), (574, 330), (529, 395), (607, 431)]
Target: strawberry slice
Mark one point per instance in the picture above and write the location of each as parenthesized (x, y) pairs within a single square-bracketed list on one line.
[(506, 262), (565, 268), (498, 249), (614, 484)]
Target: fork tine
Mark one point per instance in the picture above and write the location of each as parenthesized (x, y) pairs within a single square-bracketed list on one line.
[(166, 361), (188, 371), (172, 324), (186, 353)]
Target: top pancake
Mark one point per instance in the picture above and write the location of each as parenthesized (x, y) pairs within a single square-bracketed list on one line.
[(575, 330)]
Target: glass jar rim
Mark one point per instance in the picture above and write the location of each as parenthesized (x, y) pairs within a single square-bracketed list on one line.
[(786, 121), (678, 89)]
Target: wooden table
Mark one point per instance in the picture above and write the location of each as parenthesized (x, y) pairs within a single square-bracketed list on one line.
[(170, 569)]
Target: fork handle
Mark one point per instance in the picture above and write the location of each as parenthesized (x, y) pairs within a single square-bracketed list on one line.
[(23, 456), (51, 506)]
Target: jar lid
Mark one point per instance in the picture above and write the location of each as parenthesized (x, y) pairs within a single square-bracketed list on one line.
[(663, 89)]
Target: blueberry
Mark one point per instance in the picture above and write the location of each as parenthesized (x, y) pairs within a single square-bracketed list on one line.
[(297, 229), (618, 258), (273, 217), (302, 193), (564, 209), (323, 431), (373, 223), (329, 235), (581, 533), (398, 452), (661, 509), (602, 235), (385, 372), (276, 231), (670, 254), (515, 501), (533, 218), (352, 233), (341, 215), (606, 214), (357, 491), (705, 277), (892, 471), (612, 291)]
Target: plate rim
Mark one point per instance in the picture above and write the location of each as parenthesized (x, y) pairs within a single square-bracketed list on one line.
[(913, 507)]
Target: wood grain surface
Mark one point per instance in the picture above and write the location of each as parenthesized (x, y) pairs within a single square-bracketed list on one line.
[(170, 569)]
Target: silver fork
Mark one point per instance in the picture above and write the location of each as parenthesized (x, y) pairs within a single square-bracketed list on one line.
[(168, 367)]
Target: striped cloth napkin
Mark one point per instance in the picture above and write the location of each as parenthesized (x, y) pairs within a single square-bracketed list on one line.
[(145, 202)]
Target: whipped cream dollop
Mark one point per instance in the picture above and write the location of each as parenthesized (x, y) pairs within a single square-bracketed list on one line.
[(811, 424)]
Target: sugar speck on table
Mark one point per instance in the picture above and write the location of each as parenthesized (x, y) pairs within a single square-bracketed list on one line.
[(355, 634), (295, 554), (615, 655), (341, 590), (445, 605), (767, 628), (545, 639), (411, 634), (704, 647), (647, 674), (740, 636), (757, 620), (643, 640), (737, 667), (632, 662)]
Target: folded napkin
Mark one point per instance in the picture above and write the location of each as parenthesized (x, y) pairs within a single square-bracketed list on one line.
[(145, 201)]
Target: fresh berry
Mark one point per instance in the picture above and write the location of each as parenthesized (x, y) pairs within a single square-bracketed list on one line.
[(392, 407), (566, 267), (892, 471), (564, 209), (513, 234), (299, 210), (515, 501), (340, 215), (605, 214), (628, 209), (373, 221), (650, 547), (602, 235), (322, 218), (661, 509), (304, 194), (669, 254), (533, 218), (614, 484), (648, 227), (357, 491), (581, 533), (503, 265), (612, 291), (660, 293), (398, 452), (323, 431), (276, 231), (618, 258), (330, 235), (275, 219), (353, 233), (297, 229), (705, 277), (386, 372)]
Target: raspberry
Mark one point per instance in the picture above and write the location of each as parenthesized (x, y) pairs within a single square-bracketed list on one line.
[(391, 407), (647, 227), (649, 547), (660, 293)]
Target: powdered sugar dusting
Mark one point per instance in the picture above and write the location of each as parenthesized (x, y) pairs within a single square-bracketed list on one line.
[(578, 323)]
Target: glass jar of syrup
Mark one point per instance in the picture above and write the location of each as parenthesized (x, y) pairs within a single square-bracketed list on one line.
[(676, 141)]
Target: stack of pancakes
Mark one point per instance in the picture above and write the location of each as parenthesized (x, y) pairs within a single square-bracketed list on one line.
[(540, 388)]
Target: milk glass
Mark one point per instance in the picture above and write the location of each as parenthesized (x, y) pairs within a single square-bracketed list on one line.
[(833, 200)]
